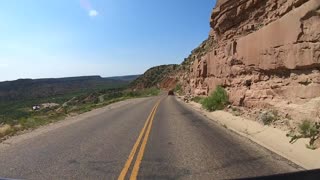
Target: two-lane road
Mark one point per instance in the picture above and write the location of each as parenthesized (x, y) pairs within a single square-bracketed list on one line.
[(151, 138)]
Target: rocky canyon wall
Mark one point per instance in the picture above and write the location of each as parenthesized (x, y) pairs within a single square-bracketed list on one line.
[(264, 52)]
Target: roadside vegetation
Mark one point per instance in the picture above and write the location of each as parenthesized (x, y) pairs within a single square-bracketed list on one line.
[(178, 89), (307, 129), (218, 100), (235, 111), (197, 99), (18, 115), (269, 117)]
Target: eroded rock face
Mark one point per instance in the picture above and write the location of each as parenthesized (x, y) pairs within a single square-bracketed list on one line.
[(265, 51)]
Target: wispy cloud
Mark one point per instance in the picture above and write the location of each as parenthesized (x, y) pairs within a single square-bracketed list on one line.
[(85, 4)]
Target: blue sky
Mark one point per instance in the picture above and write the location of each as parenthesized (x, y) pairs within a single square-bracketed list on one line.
[(61, 38)]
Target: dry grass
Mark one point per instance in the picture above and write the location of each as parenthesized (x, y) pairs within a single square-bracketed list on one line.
[(4, 129)]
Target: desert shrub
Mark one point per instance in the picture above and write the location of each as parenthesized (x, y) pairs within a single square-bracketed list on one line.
[(143, 92), (235, 111), (4, 130), (306, 129), (133, 94), (268, 117), (197, 99), (310, 130), (151, 92), (178, 88), (217, 100)]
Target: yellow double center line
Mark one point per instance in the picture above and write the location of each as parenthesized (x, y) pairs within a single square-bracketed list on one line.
[(145, 132)]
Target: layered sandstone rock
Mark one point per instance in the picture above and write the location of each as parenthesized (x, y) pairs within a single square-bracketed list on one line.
[(265, 52)]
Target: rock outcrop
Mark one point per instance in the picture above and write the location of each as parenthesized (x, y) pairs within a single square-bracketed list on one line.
[(264, 52)]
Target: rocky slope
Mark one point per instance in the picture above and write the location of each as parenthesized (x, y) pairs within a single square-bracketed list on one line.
[(158, 76)]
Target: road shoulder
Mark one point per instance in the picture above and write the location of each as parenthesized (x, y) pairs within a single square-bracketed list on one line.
[(266, 136)]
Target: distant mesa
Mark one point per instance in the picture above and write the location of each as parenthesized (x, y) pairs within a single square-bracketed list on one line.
[(39, 88)]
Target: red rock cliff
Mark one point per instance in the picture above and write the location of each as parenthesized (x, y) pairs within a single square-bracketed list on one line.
[(264, 52)]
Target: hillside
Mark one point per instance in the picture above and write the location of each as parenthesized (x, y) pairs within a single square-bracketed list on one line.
[(40, 88), (168, 76), (129, 78), (154, 76)]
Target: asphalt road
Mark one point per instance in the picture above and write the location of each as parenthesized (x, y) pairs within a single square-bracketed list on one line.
[(153, 138)]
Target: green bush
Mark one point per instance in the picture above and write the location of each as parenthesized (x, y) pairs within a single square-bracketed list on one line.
[(151, 92), (32, 122), (217, 100), (178, 88)]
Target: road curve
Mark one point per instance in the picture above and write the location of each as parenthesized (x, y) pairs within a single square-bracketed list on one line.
[(152, 138)]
